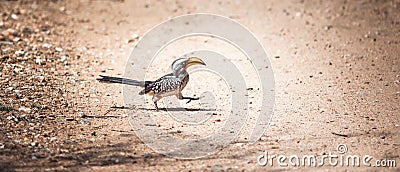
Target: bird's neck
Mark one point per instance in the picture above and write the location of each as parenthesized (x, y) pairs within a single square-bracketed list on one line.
[(181, 73)]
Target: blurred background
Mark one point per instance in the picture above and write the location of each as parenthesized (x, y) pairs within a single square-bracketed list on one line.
[(336, 67)]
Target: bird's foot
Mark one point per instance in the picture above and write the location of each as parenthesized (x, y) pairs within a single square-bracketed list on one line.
[(191, 98)]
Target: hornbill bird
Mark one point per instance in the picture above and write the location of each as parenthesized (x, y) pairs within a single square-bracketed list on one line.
[(168, 85)]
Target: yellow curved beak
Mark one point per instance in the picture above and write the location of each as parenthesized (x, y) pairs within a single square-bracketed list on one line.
[(193, 61)]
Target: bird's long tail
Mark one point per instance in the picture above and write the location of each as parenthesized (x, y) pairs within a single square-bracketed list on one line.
[(111, 79)]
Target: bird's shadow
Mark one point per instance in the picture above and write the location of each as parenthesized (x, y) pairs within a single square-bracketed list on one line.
[(178, 109)]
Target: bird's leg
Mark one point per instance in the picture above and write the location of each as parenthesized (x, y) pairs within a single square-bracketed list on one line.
[(155, 100), (190, 98), (155, 103)]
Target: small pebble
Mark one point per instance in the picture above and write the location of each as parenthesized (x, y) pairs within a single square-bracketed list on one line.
[(135, 36), (20, 52), (59, 49), (85, 121), (14, 16), (24, 109), (63, 58), (53, 139), (64, 150), (45, 45), (17, 92), (328, 27), (38, 61)]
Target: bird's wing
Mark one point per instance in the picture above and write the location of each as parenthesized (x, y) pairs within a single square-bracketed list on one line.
[(164, 84)]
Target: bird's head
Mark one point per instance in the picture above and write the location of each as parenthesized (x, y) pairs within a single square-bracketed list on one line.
[(181, 64)]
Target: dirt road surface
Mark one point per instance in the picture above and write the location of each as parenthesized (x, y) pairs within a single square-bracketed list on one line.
[(336, 67)]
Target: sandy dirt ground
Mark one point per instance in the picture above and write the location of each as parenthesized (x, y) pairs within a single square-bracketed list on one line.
[(336, 67)]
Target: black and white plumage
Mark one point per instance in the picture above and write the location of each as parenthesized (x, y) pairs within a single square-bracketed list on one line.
[(168, 85)]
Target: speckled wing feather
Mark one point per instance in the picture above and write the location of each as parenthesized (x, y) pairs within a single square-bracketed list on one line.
[(164, 84)]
